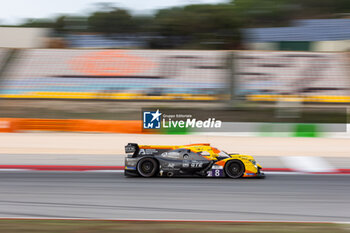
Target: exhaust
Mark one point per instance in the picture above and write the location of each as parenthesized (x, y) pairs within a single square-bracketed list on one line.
[(170, 174)]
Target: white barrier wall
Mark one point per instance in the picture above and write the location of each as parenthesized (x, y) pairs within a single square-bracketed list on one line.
[(13, 37)]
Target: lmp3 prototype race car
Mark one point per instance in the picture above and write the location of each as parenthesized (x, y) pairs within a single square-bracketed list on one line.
[(201, 160)]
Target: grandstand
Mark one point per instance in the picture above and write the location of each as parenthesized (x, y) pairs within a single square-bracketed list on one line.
[(101, 41), (311, 77), (312, 34), (175, 75), (116, 74)]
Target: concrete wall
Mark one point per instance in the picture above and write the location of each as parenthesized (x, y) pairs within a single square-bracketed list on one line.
[(326, 46), (12, 37), (262, 46), (316, 46)]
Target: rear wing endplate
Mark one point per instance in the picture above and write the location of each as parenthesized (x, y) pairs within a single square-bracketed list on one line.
[(131, 148)]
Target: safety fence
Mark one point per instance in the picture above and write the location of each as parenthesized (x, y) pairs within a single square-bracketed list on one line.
[(185, 75)]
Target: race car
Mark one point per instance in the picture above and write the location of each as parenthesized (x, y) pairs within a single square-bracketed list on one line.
[(200, 160)]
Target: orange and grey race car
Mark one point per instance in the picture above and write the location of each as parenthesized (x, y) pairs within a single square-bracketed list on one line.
[(188, 160)]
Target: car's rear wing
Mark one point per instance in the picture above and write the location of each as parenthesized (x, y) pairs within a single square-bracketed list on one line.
[(131, 148)]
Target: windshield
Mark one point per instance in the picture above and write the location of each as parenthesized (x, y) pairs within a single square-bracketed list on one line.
[(223, 154)]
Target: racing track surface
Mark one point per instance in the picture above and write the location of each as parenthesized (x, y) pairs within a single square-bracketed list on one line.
[(110, 195)]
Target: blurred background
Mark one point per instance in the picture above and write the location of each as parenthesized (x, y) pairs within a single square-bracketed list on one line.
[(222, 55), (264, 68), (76, 75)]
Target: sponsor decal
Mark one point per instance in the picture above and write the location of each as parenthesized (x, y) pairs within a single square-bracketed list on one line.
[(131, 164), (171, 154), (147, 151), (196, 164), (217, 167), (250, 174)]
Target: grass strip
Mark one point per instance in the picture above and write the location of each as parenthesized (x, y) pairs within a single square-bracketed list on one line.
[(103, 226)]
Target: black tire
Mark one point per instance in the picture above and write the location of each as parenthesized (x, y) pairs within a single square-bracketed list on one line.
[(147, 167), (234, 169)]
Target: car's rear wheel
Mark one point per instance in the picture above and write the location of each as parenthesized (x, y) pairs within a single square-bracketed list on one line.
[(234, 169), (147, 167)]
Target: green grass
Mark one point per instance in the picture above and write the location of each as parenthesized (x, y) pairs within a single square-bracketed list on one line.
[(96, 226)]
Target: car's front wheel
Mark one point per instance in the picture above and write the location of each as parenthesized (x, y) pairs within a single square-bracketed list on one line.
[(234, 169), (147, 167)]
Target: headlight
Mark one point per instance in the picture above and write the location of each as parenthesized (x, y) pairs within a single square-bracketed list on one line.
[(252, 161)]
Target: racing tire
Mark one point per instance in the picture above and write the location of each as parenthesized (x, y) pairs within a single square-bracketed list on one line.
[(147, 167), (234, 169)]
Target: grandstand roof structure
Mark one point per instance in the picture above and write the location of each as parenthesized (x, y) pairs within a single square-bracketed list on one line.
[(101, 41), (302, 30)]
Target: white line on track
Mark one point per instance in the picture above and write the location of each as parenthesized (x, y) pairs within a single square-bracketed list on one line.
[(121, 171), (307, 164), (169, 220)]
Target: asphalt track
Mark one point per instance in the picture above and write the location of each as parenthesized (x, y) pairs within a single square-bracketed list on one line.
[(109, 195)]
